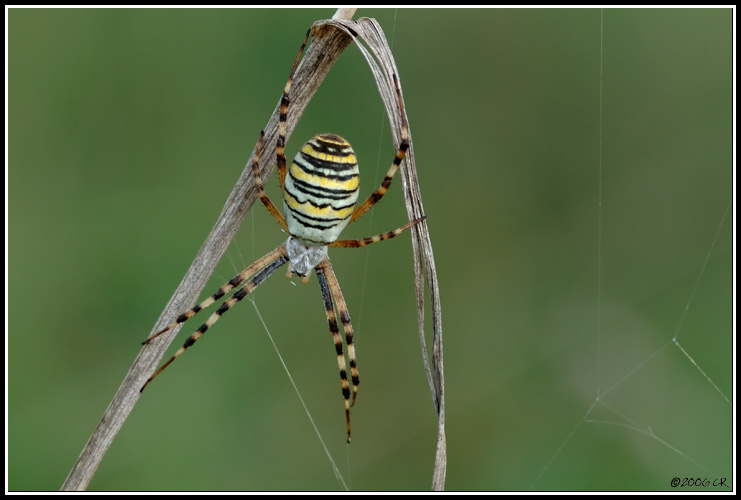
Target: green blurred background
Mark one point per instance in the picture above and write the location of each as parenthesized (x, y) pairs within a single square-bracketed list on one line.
[(128, 128)]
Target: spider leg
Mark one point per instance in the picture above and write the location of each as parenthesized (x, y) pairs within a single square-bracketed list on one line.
[(331, 293), (402, 151), (270, 263), (261, 188), (373, 239), (285, 101), (232, 283)]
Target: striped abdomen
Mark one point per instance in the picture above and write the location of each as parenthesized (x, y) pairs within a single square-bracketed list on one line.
[(321, 189)]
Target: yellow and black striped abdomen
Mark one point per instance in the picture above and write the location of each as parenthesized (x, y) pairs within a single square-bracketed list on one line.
[(321, 189)]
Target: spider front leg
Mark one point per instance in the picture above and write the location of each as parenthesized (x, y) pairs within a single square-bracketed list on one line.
[(232, 283), (332, 294), (266, 266)]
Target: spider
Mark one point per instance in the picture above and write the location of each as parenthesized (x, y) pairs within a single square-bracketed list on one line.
[(320, 192)]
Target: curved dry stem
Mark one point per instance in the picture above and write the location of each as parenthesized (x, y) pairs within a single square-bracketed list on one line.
[(381, 62), (329, 40)]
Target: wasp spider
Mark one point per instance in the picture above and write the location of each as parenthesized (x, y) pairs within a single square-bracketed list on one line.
[(320, 192)]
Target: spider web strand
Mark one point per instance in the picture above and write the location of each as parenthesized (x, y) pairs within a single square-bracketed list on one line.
[(335, 469)]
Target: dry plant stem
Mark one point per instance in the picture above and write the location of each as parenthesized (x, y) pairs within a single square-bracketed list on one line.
[(382, 65), (327, 44), (318, 59)]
